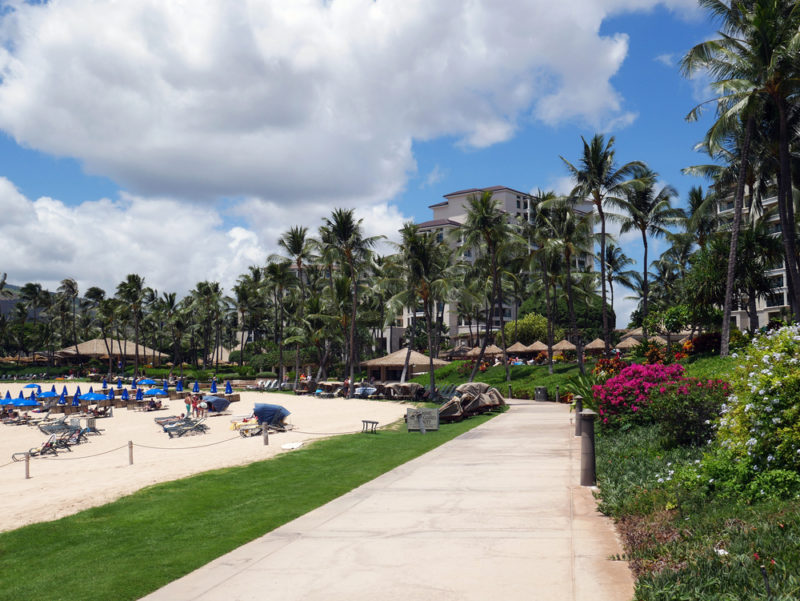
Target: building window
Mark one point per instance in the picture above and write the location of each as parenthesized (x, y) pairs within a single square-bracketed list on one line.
[(776, 281), (525, 204), (775, 299), (518, 204)]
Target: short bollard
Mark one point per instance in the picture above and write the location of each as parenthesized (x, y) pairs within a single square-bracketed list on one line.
[(588, 473), (130, 452), (558, 397), (27, 466), (578, 408), (265, 435)]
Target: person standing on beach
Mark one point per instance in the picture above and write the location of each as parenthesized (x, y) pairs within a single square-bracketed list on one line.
[(188, 401)]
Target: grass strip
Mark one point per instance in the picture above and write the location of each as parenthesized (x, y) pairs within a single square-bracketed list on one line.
[(133, 546)]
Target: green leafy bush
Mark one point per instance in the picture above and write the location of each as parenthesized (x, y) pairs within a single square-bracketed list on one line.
[(687, 409)]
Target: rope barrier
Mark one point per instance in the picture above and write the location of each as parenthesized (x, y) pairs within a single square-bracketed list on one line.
[(84, 457), (211, 444)]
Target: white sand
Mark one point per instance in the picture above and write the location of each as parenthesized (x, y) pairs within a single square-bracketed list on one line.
[(71, 482)]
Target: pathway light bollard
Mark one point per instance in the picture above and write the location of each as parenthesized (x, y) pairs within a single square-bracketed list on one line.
[(265, 435), (578, 408), (558, 398), (588, 472)]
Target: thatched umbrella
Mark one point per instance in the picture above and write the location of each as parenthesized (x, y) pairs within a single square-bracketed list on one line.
[(564, 345), (628, 343), (637, 333), (517, 347), (657, 340), (598, 344), (417, 363), (490, 351), (537, 347)]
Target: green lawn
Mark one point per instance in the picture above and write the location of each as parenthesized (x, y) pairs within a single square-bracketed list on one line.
[(139, 543)]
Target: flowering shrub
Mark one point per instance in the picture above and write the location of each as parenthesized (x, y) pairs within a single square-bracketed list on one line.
[(687, 409), (762, 420), (688, 347), (541, 358), (608, 368), (622, 398), (654, 354)]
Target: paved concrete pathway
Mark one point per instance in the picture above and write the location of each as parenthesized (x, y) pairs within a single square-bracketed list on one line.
[(496, 514)]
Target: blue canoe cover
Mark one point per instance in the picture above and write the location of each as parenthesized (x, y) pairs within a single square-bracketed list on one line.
[(270, 414), (215, 403)]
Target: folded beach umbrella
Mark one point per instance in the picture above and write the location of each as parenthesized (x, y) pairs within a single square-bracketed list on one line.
[(64, 392), (216, 404), (196, 387), (124, 395), (139, 394), (21, 396), (179, 386), (228, 387), (33, 396), (76, 401), (270, 414), (53, 389), (77, 392), (62, 400), (119, 383), (8, 395), (213, 387), (105, 384), (166, 386), (90, 390), (111, 394), (133, 384)]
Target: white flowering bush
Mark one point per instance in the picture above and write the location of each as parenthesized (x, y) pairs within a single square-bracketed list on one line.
[(760, 423)]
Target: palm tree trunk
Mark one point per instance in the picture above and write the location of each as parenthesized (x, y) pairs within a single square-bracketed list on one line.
[(786, 210), (428, 323), (737, 222), (573, 322), (751, 310), (606, 338), (645, 284), (410, 345), (503, 338), (479, 360)]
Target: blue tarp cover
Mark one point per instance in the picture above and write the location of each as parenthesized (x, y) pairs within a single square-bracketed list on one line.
[(270, 414), (215, 403)]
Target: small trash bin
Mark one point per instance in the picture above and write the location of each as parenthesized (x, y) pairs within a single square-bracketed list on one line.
[(540, 393)]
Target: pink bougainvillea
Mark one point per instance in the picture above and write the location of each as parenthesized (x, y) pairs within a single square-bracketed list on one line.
[(622, 397)]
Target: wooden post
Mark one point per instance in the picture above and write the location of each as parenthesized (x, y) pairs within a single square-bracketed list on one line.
[(265, 435), (130, 452), (27, 466), (578, 409)]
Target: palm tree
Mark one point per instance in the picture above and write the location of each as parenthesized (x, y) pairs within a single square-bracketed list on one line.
[(345, 237), (649, 212), (280, 278), (131, 293), (68, 289), (488, 230), (599, 179), (701, 220), (754, 59), (616, 261), (570, 233)]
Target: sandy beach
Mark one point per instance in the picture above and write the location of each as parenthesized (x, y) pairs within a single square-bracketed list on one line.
[(98, 472)]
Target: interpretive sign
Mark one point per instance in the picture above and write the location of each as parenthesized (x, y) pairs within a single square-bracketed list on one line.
[(420, 420)]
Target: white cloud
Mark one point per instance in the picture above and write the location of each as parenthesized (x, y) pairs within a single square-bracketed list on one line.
[(298, 103), (436, 175), (172, 244), (668, 60)]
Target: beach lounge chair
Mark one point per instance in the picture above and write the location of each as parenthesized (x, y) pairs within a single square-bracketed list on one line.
[(48, 447), (189, 427)]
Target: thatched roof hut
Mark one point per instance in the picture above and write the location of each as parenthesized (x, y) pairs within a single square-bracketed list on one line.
[(390, 367), (537, 347), (628, 343), (517, 347), (492, 350), (657, 340), (97, 349), (598, 344), (564, 345)]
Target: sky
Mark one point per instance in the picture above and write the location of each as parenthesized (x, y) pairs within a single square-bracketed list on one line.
[(178, 140)]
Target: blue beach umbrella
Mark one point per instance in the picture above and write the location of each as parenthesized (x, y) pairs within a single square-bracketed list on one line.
[(64, 392), (105, 384), (133, 384), (196, 387), (94, 396), (53, 389), (8, 395), (90, 390), (139, 394), (32, 386), (153, 392), (124, 395), (62, 400), (48, 394), (111, 394), (147, 381), (119, 382), (76, 401), (33, 395), (21, 396), (213, 387), (26, 403), (179, 386), (78, 391), (228, 387), (166, 386)]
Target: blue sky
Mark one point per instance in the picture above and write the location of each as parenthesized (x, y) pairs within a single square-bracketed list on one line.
[(180, 142)]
